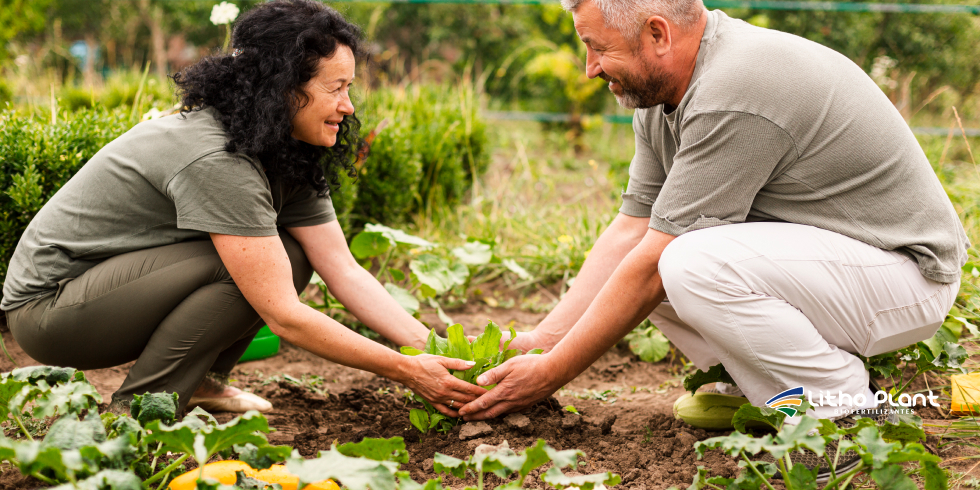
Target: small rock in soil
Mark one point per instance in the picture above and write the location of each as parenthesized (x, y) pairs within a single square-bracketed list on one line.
[(571, 421), (686, 439), (428, 465), (606, 423), (518, 421), (487, 448), (473, 430)]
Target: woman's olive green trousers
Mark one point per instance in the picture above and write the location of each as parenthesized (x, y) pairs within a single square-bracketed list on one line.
[(174, 309)]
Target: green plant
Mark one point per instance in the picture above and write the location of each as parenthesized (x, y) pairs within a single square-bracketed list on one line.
[(115, 451), (37, 158), (883, 460), (485, 350), (504, 463), (433, 277), (648, 343)]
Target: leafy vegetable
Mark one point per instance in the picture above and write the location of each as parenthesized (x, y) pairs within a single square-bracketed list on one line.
[(700, 378), (485, 351), (648, 343), (154, 406)]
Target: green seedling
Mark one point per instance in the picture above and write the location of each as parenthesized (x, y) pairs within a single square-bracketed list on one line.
[(879, 457), (648, 343), (485, 351)]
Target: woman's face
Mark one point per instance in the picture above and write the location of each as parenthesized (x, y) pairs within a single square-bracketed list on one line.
[(318, 122)]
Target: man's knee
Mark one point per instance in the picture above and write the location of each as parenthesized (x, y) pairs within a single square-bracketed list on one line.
[(302, 269), (683, 263)]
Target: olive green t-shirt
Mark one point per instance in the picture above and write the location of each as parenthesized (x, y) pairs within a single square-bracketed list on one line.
[(774, 127), (165, 181)]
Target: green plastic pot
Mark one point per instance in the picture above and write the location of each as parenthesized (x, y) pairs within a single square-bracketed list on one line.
[(265, 344)]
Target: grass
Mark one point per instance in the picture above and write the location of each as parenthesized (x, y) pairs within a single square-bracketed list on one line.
[(543, 204)]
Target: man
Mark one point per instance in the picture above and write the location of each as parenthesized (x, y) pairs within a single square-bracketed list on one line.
[(776, 197)]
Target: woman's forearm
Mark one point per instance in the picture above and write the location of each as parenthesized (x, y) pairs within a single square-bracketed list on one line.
[(311, 330), (370, 302)]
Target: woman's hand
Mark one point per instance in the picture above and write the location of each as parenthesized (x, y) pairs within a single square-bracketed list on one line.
[(428, 376)]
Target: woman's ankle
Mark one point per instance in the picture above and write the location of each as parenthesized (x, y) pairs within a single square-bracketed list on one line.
[(215, 385)]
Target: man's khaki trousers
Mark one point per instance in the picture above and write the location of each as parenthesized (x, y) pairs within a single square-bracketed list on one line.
[(783, 305)]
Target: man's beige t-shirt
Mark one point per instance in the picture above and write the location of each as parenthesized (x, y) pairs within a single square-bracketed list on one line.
[(774, 127), (165, 181)]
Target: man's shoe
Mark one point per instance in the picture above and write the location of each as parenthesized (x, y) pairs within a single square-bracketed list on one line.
[(708, 408), (239, 403)]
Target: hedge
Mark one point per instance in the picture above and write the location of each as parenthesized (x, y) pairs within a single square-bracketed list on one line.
[(426, 156)]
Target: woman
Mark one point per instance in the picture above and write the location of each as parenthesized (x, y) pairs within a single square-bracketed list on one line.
[(178, 240)]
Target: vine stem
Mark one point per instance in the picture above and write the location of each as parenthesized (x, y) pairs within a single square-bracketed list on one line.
[(20, 423), (756, 471), (384, 263), (44, 478), (831, 464), (846, 476), (163, 473)]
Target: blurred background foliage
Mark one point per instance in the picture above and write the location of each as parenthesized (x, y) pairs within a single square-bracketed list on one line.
[(524, 57), (76, 73)]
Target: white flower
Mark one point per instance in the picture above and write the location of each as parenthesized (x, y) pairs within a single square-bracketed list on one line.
[(22, 60), (153, 114), (880, 69), (224, 13)]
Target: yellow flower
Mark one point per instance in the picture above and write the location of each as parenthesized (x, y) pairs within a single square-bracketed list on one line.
[(587, 252), (565, 239)]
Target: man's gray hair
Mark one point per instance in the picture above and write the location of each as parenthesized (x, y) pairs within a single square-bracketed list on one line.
[(628, 16)]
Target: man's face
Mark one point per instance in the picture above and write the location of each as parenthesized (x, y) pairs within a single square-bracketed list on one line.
[(631, 68)]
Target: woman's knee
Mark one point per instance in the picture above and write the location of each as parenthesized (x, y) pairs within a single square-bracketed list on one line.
[(300, 264)]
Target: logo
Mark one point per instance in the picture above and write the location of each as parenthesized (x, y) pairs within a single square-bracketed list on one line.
[(787, 400)]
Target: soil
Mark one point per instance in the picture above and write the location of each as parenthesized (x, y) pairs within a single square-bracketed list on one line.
[(631, 433)]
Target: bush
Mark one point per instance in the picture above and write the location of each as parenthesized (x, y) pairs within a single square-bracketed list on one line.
[(425, 157), (37, 158)]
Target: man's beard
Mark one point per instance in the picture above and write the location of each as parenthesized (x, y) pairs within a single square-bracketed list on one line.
[(643, 90)]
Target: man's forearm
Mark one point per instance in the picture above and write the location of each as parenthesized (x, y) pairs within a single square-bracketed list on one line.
[(630, 294), (613, 245)]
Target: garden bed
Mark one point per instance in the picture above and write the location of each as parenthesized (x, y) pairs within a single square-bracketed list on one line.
[(624, 423)]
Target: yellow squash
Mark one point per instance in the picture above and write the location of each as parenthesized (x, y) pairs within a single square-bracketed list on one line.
[(224, 471)]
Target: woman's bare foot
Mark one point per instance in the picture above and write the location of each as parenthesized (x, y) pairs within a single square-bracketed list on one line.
[(214, 388)]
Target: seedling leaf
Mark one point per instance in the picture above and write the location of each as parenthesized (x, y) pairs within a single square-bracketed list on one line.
[(559, 480), (399, 237), (404, 298), (474, 253), (715, 374), (369, 244), (451, 465), (748, 413), (352, 473), (892, 478), (377, 449)]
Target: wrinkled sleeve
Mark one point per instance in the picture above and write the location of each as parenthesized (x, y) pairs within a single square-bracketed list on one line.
[(647, 172), (302, 207), (225, 194), (724, 159)]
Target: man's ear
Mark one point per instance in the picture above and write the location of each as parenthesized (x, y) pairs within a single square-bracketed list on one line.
[(657, 33)]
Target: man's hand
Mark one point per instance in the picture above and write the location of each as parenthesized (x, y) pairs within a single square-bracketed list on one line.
[(521, 382)]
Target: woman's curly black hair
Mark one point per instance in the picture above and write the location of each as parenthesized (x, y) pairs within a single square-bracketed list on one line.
[(257, 91)]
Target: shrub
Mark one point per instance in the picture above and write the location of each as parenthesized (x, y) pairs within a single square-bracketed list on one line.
[(37, 158), (433, 145), (425, 157)]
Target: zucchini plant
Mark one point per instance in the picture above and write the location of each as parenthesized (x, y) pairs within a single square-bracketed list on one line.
[(485, 350), (434, 278), (887, 462)]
